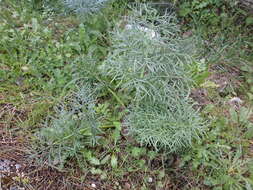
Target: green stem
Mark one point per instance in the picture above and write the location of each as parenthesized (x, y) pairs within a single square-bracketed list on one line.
[(108, 88), (112, 92), (116, 96), (107, 127)]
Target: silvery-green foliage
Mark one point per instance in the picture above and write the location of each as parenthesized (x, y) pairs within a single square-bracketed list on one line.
[(85, 6), (74, 127), (149, 61), (147, 57), (170, 126)]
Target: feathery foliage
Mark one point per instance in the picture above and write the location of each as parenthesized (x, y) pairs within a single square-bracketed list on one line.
[(149, 61), (168, 126), (85, 6), (148, 58), (74, 127)]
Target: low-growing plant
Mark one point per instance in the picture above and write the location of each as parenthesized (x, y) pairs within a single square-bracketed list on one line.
[(82, 7), (210, 17), (151, 70), (219, 167), (221, 161), (170, 126), (148, 62), (73, 128)]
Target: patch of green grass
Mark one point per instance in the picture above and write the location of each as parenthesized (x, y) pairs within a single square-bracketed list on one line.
[(221, 161), (42, 53)]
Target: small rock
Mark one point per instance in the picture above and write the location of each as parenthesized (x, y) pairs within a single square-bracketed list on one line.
[(236, 100), (93, 185), (24, 68), (16, 188), (17, 166), (5, 166), (150, 179)]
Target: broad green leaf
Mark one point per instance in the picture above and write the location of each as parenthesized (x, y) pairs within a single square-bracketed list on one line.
[(94, 161), (96, 171), (184, 9), (103, 176), (209, 84), (184, 12), (105, 159), (117, 125), (116, 135), (200, 78), (161, 174), (250, 95), (136, 152), (249, 20), (114, 161)]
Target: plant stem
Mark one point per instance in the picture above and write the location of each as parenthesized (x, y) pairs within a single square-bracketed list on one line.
[(111, 91)]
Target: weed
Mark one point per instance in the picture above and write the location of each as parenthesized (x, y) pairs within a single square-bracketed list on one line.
[(171, 128), (210, 17), (152, 69), (74, 128), (220, 159), (85, 6)]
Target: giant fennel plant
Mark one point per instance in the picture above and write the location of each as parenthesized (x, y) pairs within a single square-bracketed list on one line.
[(149, 61)]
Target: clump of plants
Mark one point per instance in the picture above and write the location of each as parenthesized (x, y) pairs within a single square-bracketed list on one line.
[(147, 63), (85, 6), (221, 160), (73, 128), (227, 18)]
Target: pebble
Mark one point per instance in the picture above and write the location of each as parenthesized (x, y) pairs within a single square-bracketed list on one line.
[(17, 166), (150, 179), (16, 188), (24, 68), (93, 185), (236, 100), (5, 165)]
